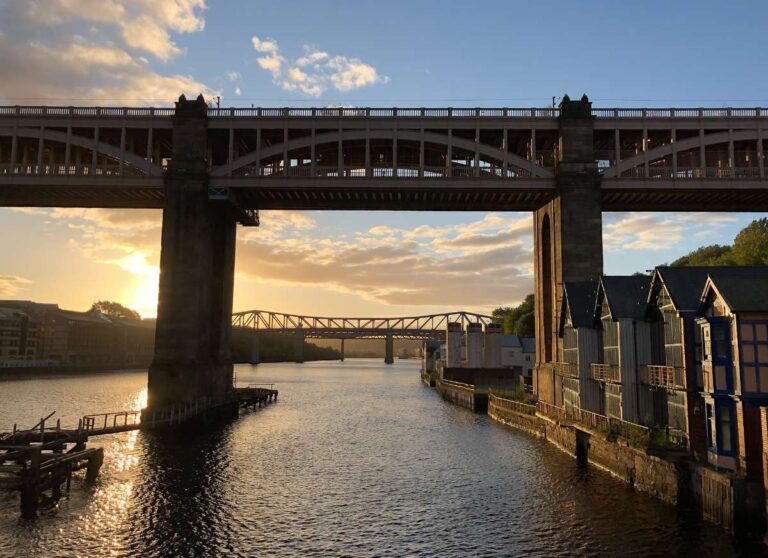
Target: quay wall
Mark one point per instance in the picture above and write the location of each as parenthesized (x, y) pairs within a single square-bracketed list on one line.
[(677, 481), (463, 395)]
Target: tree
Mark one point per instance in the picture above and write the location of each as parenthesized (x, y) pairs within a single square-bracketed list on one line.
[(517, 320), (715, 254), (526, 325), (750, 247), (114, 310)]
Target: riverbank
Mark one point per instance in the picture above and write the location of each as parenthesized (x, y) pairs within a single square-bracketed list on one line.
[(43, 372), (666, 473), (670, 476)]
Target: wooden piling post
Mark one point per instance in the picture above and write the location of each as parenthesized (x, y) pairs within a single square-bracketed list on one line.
[(94, 464), (30, 486)]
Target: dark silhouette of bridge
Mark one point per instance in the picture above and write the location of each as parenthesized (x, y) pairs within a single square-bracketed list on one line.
[(209, 169), (430, 326)]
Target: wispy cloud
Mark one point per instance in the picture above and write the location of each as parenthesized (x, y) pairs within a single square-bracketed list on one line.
[(10, 285), (316, 71), (659, 231)]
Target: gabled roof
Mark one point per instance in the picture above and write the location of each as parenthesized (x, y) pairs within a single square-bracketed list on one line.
[(626, 295), (579, 300), (683, 284), (744, 289)]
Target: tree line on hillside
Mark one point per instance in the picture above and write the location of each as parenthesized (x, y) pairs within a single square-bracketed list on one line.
[(275, 347), (750, 247)]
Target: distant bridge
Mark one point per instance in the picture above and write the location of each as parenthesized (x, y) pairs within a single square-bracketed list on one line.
[(431, 326)]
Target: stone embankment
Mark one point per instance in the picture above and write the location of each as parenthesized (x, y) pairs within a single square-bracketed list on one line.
[(672, 477)]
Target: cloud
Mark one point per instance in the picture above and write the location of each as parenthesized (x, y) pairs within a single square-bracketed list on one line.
[(140, 24), (659, 231), (92, 49), (233, 76), (316, 71), (10, 285), (385, 264)]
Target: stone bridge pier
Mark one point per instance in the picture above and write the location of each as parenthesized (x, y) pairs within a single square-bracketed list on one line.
[(192, 356), (389, 349), (568, 241), (298, 346)]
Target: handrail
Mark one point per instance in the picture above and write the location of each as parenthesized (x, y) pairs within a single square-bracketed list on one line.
[(605, 372), (129, 418), (670, 377), (380, 112), (510, 404)]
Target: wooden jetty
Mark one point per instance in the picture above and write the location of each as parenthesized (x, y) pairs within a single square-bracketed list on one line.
[(40, 460), (256, 395)]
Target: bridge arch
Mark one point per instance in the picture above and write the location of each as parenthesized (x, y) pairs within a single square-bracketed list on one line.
[(105, 149), (681, 146), (408, 135)]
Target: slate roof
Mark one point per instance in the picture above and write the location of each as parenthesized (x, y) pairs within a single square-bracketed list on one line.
[(580, 297), (745, 289), (529, 344), (627, 295), (508, 340), (684, 285)]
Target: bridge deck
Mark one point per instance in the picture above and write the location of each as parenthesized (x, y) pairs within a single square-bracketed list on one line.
[(501, 159)]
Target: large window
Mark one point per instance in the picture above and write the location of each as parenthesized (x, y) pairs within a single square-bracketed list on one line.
[(754, 355)]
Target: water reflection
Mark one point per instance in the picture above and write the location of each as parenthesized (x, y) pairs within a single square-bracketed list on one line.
[(355, 459), (179, 494)]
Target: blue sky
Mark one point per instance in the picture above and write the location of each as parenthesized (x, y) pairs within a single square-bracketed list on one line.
[(418, 53)]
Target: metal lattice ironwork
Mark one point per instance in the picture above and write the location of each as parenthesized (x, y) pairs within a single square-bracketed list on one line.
[(430, 326)]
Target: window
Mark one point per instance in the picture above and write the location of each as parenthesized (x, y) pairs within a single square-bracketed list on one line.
[(724, 438), (719, 341), (710, 425)]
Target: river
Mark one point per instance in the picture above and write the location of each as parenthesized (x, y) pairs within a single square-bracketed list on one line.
[(355, 459)]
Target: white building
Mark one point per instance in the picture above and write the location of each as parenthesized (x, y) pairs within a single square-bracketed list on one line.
[(518, 352)]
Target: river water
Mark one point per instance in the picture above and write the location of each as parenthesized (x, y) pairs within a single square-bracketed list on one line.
[(355, 459)]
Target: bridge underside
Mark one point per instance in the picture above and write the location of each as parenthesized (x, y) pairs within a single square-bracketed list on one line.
[(434, 194)]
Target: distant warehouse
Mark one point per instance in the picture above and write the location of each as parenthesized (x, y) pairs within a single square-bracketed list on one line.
[(37, 334)]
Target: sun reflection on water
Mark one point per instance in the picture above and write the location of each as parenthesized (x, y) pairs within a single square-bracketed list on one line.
[(140, 401)]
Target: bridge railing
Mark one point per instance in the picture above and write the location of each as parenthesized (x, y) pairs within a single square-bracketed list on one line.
[(680, 112), (376, 112), (122, 112), (110, 420), (101, 170), (381, 112)]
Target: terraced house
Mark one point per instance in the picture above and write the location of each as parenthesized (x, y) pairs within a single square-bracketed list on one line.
[(734, 330), (674, 300), (581, 347), (621, 311)]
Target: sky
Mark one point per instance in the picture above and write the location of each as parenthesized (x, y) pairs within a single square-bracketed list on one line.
[(360, 53)]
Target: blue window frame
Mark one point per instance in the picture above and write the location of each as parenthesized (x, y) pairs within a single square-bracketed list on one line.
[(720, 349)]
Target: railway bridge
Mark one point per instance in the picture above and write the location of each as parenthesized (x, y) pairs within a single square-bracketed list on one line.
[(432, 326), (210, 168)]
